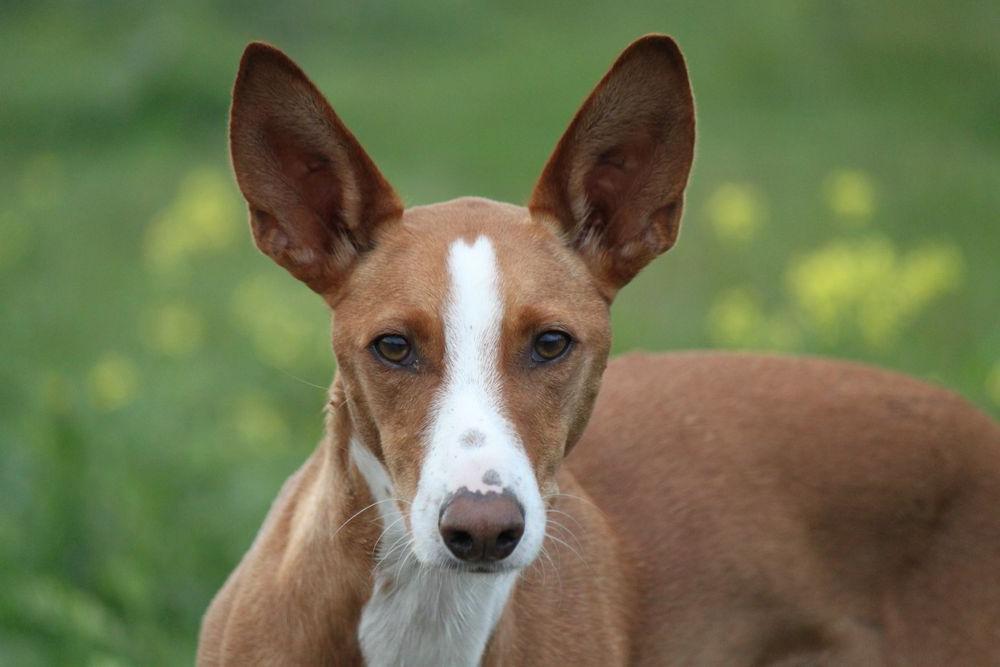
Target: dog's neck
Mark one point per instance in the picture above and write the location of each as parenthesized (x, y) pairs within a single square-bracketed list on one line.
[(414, 614)]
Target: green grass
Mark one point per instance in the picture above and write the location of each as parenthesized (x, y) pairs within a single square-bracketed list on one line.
[(157, 376)]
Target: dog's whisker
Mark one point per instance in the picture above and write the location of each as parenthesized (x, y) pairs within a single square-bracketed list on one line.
[(573, 549), (387, 553), (386, 530), (566, 514), (305, 382), (573, 497), (398, 547), (552, 564), (359, 513), (564, 528), (566, 532)]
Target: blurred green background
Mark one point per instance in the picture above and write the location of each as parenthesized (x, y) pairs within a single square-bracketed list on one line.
[(159, 378)]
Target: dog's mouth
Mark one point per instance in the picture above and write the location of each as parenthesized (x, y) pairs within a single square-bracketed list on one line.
[(478, 568), (446, 563)]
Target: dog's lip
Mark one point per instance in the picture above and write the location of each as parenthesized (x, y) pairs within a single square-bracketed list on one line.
[(486, 569), (477, 568)]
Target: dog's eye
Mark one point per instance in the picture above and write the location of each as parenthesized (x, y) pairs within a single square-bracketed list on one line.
[(550, 345), (394, 349)]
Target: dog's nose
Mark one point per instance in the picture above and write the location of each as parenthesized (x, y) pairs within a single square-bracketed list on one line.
[(481, 526)]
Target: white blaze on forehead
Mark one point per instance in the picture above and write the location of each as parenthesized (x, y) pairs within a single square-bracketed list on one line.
[(470, 408), (471, 444), (473, 316)]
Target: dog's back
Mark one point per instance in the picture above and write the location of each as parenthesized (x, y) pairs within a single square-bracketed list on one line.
[(795, 509)]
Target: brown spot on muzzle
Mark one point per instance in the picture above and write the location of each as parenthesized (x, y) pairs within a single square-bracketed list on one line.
[(491, 478), (473, 438)]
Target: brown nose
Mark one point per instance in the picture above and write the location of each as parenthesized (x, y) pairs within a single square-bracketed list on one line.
[(481, 526)]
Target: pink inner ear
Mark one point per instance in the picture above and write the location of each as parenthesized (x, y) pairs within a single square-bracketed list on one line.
[(310, 173), (614, 177), (321, 192), (268, 233)]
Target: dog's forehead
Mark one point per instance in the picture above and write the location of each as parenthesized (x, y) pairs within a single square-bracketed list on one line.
[(415, 251), (434, 230), (410, 272)]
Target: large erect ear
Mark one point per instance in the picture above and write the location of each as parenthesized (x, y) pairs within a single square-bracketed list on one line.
[(315, 196), (614, 185)]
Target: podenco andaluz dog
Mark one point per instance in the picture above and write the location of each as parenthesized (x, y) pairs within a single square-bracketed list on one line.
[(712, 509)]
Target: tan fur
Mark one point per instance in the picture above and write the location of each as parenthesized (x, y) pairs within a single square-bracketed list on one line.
[(810, 511), (715, 509)]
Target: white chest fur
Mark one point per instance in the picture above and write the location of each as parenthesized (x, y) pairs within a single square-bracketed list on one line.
[(430, 618), (419, 616)]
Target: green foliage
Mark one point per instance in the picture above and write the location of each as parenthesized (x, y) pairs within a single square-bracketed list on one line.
[(160, 378)]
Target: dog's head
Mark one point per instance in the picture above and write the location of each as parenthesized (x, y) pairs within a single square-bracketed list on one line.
[(470, 335)]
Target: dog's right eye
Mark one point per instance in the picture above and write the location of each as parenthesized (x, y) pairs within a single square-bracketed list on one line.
[(393, 349), (550, 345)]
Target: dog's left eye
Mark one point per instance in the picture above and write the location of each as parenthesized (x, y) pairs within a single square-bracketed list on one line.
[(393, 349), (550, 345)]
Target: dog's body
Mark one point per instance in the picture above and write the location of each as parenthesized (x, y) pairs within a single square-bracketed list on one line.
[(716, 509)]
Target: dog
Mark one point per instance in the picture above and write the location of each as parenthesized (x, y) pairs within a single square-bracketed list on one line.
[(712, 508)]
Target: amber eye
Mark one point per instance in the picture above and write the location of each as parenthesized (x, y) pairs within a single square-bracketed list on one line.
[(550, 345), (394, 349)]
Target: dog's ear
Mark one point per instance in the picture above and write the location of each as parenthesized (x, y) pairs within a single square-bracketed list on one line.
[(614, 186), (315, 196)]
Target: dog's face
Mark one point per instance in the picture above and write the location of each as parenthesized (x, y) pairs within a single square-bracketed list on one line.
[(471, 343), (470, 335)]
